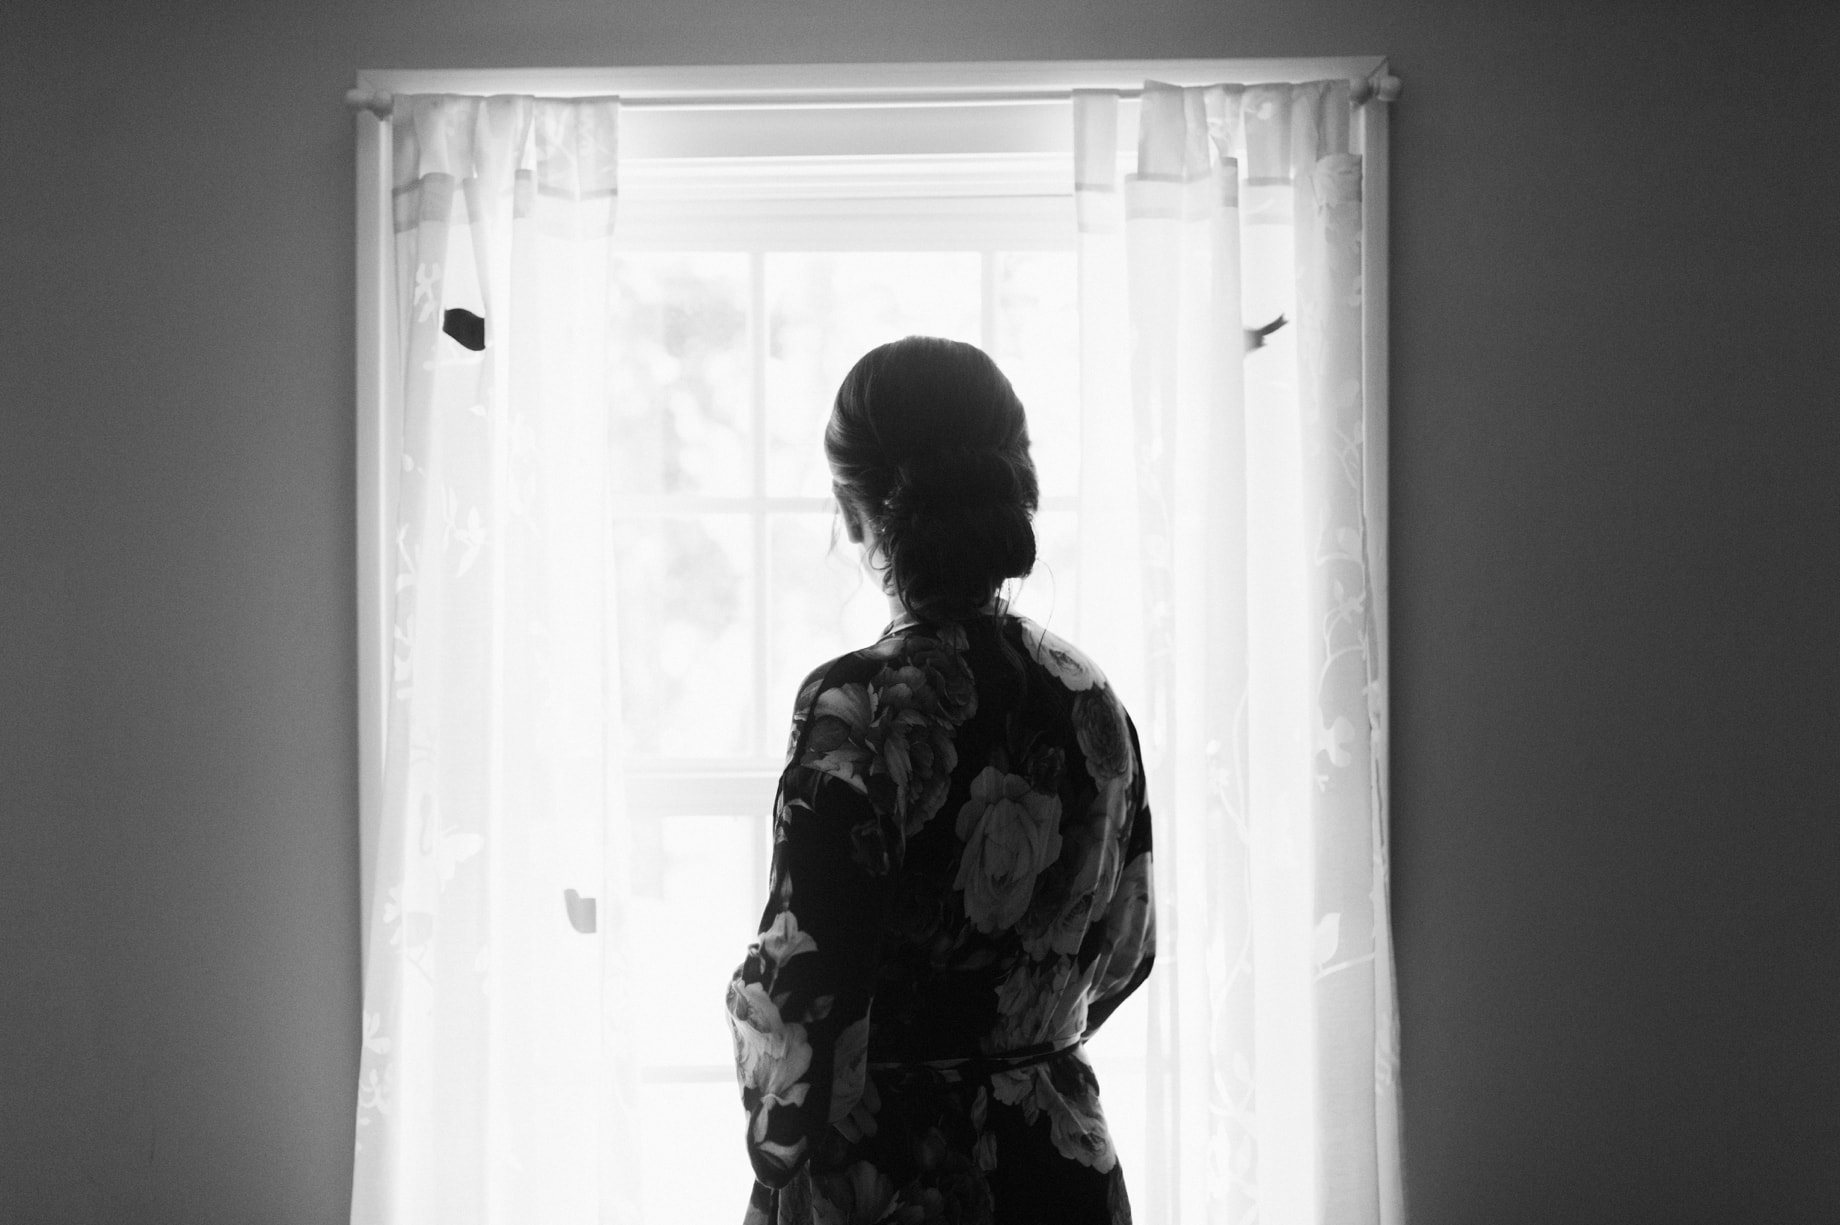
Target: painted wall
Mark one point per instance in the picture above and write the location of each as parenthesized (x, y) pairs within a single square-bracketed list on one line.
[(1615, 531)]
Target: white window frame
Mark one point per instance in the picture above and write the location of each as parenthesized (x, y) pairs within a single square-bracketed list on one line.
[(836, 151)]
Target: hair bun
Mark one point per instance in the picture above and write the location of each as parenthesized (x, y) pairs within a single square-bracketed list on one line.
[(956, 524), (948, 481)]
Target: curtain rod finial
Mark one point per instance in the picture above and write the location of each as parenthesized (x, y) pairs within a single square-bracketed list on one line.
[(376, 101), (1373, 89)]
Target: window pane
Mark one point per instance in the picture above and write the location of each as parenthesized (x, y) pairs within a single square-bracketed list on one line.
[(1046, 597), (819, 605), (1037, 333), (825, 309), (678, 371), (694, 1152), (1117, 1052), (691, 932), (686, 640)]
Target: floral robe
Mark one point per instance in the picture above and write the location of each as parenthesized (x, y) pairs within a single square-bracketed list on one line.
[(960, 892)]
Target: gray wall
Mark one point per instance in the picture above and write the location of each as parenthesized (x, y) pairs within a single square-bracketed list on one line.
[(1615, 528)]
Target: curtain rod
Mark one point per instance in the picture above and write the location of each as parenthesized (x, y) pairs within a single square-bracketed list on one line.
[(381, 102)]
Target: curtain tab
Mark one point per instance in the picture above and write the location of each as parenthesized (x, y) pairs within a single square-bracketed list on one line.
[(1338, 180), (1095, 140), (1095, 160), (1162, 132), (1223, 108)]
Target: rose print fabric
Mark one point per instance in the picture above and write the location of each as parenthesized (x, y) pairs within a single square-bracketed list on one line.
[(960, 892)]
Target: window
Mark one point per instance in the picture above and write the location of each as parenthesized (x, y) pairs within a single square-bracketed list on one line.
[(773, 224)]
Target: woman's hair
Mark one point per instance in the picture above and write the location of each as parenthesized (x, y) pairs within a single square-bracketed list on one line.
[(928, 443)]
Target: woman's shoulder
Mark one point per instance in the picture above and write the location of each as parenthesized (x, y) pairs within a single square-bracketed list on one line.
[(838, 670), (1071, 667), (1102, 726)]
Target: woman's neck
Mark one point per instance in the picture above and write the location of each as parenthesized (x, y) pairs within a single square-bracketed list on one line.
[(899, 612)]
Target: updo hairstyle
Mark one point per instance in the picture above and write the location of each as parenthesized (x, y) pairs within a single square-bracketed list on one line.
[(928, 444)]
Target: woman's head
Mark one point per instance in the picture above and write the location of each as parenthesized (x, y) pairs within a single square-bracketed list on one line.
[(929, 454)]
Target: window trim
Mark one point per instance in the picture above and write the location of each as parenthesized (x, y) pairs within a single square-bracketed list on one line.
[(807, 85)]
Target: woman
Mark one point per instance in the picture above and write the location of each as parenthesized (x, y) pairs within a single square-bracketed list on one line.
[(960, 889)]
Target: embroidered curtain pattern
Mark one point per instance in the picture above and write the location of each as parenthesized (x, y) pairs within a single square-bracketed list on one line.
[(1252, 657), (494, 1079)]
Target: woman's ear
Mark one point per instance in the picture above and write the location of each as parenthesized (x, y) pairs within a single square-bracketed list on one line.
[(852, 523)]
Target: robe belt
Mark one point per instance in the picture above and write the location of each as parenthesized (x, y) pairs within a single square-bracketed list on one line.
[(976, 1067)]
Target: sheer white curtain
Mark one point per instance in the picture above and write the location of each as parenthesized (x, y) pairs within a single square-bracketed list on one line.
[(494, 1084), (1246, 515)]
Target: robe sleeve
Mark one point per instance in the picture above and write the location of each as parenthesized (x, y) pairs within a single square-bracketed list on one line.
[(1128, 942), (798, 1006)]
